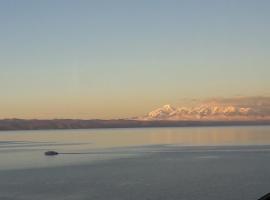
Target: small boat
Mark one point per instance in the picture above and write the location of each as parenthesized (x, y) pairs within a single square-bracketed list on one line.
[(51, 153)]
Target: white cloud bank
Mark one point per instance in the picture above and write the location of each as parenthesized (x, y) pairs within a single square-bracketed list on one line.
[(238, 108)]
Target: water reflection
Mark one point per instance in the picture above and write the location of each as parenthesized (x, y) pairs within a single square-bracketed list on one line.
[(107, 138), (26, 148), (213, 136)]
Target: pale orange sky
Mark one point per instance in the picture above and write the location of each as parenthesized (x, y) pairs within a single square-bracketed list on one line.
[(88, 59)]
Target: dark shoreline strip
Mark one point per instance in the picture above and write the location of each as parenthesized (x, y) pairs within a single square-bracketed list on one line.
[(21, 124)]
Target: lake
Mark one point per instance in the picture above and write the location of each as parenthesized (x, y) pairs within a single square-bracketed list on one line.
[(152, 163), (25, 149)]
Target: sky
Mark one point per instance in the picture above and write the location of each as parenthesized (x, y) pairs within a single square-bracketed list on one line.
[(115, 59)]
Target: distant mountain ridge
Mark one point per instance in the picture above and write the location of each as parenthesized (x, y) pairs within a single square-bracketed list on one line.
[(212, 112), (204, 112), (216, 110)]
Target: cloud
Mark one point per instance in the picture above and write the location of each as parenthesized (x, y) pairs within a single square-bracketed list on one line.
[(258, 105), (236, 108), (241, 101)]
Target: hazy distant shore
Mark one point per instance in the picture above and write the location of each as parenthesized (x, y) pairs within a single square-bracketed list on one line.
[(34, 124)]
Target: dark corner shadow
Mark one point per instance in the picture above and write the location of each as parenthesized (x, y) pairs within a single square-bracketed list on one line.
[(265, 197)]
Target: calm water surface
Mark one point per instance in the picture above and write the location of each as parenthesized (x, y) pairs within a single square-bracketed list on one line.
[(25, 149)]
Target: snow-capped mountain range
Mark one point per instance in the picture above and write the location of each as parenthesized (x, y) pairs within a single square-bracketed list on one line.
[(209, 111)]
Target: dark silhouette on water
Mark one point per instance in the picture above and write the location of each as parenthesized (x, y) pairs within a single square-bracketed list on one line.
[(51, 153), (54, 153)]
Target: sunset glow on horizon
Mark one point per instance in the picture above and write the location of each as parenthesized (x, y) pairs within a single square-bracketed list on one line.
[(121, 59)]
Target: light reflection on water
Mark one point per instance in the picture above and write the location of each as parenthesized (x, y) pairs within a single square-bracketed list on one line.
[(24, 149)]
